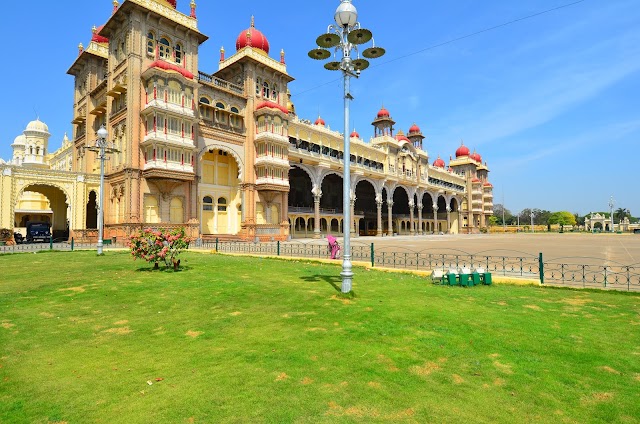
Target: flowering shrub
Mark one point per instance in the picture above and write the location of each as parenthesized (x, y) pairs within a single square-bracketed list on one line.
[(156, 246)]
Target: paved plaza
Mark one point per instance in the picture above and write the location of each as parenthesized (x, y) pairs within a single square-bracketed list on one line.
[(591, 248)]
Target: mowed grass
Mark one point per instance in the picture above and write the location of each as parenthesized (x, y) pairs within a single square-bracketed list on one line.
[(87, 339)]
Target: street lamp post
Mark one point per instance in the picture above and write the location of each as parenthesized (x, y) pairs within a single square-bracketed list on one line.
[(611, 204), (344, 38), (102, 148), (533, 230)]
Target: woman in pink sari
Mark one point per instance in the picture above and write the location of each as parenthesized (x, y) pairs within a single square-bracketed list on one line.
[(334, 246)]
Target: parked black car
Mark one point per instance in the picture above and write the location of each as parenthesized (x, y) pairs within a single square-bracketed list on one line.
[(18, 237), (38, 231)]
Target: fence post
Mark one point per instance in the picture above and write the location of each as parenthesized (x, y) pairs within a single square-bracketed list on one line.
[(51, 242), (72, 244), (541, 268), (216, 244), (373, 261), (278, 247)]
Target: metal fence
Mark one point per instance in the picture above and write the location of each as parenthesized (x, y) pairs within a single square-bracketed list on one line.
[(582, 272)]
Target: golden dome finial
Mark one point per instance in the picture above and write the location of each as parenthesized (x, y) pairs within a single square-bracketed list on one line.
[(94, 29)]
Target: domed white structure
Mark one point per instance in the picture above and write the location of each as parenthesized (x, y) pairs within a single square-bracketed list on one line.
[(36, 141)]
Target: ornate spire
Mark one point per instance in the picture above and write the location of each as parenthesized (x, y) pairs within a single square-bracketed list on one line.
[(115, 6), (80, 49), (193, 9), (253, 22), (282, 56), (222, 54)]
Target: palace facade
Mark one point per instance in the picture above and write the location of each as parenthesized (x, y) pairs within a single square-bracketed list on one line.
[(223, 153)]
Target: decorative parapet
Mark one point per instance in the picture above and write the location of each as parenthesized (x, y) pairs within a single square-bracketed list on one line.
[(249, 52), (98, 49), (168, 12)]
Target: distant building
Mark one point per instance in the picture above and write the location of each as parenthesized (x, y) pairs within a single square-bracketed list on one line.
[(224, 153)]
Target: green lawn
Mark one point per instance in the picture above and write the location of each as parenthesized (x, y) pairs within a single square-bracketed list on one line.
[(87, 339)]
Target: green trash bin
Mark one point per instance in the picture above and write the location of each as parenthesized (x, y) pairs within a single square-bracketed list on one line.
[(486, 278), (464, 280), (452, 280), (475, 279)]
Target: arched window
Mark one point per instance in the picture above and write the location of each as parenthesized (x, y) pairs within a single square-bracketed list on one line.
[(274, 92), (165, 49), (205, 100), (220, 105), (205, 109), (150, 209), (207, 203), (265, 89), (258, 86), (178, 50), (234, 109), (222, 204), (151, 43)]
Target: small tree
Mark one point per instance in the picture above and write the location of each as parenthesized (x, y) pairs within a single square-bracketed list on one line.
[(155, 246)]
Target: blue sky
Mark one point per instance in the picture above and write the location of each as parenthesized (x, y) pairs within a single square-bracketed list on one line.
[(551, 103)]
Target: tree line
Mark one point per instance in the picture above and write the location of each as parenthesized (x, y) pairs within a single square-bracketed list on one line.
[(544, 217)]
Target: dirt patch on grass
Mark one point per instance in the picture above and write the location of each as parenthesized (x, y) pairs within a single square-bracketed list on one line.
[(610, 370), (118, 330), (388, 363), (457, 379), (494, 355), (235, 314), (534, 307), (504, 368), (425, 370), (123, 322), (374, 385), (353, 411), (194, 334), (79, 289), (499, 382), (576, 301), (282, 376), (343, 300), (306, 381), (637, 377), (46, 315), (7, 325), (601, 397), (314, 329)]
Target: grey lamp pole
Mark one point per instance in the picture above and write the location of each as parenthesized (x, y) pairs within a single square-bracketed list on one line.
[(533, 230), (344, 38), (102, 148), (611, 204)]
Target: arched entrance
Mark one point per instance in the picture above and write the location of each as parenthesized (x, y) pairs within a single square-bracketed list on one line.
[(400, 211), (365, 209), (43, 203)]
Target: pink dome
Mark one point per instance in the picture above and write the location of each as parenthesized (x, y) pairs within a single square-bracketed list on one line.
[(439, 163), (173, 3), (355, 134), (319, 121), (383, 113), (251, 37), (476, 156), (462, 151), (414, 129)]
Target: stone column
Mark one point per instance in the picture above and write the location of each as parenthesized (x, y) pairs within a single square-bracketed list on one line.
[(411, 223), (390, 208), (448, 219), (435, 218), (316, 215), (420, 219), (379, 227)]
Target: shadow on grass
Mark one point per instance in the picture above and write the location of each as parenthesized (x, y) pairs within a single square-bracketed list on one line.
[(334, 280), (164, 269)]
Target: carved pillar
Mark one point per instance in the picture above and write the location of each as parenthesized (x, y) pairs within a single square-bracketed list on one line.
[(420, 219), (390, 208), (448, 219), (379, 227), (284, 213), (435, 218), (316, 215), (411, 223)]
